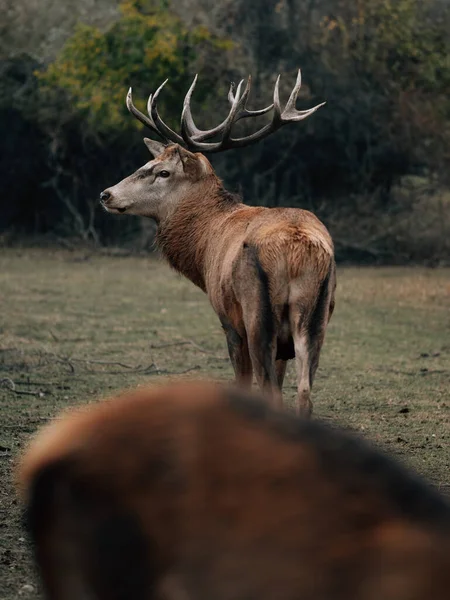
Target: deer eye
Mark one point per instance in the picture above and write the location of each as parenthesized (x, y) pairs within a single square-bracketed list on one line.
[(164, 174)]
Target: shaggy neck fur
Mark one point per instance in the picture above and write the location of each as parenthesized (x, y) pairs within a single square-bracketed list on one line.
[(183, 237)]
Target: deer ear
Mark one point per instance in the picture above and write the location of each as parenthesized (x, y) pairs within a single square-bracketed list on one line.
[(155, 148), (194, 165), (205, 165)]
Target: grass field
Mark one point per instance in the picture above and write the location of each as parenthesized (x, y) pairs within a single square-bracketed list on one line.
[(76, 327)]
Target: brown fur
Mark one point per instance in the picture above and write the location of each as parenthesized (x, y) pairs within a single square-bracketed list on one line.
[(195, 492), (269, 273)]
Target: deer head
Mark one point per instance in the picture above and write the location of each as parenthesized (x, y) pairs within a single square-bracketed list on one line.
[(155, 189)]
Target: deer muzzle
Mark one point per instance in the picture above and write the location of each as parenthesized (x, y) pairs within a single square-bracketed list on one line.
[(107, 201)]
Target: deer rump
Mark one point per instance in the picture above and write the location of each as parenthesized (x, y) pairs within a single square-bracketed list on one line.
[(293, 279), (271, 279), (191, 491)]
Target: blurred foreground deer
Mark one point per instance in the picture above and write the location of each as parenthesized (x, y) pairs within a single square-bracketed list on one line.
[(269, 273), (197, 492)]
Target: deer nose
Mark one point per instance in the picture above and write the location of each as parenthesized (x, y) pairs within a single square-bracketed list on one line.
[(104, 196)]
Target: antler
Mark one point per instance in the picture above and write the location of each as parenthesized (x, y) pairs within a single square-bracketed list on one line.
[(194, 138), (191, 134)]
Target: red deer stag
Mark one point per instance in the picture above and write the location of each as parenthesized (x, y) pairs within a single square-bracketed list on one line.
[(269, 273), (197, 492)]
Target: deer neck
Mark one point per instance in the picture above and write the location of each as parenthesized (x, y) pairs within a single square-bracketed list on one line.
[(184, 236)]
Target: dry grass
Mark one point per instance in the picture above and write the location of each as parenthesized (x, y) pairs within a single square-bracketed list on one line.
[(73, 330)]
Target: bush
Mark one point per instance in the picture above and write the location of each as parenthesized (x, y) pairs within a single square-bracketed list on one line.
[(142, 49), (90, 139)]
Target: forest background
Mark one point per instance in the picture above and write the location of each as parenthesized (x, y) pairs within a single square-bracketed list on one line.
[(373, 163)]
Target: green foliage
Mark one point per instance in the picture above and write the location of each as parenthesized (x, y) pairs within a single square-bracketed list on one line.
[(384, 67), (393, 40), (147, 45)]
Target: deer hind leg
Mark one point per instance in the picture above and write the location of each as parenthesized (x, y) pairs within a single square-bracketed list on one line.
[(262, 349), (304, 381), (308, 343), (309, 333), (259, 322), (239, 355), (262, 355), (280, 368)]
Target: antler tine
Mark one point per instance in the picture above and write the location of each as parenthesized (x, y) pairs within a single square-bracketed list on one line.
[(294, 94), (148, 122), (149, 106), (237, 111), (187, 122), (244, 112), (159, 123), (242, 99), (276, 102), (190, 132), (276, 123), (290, 113), (231, 93), (236, 108), (188, 128)]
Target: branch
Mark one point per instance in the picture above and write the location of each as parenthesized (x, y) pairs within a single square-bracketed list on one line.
[(154, 370), (104, 362), (11, 386), (186, 342), (166, 372)]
